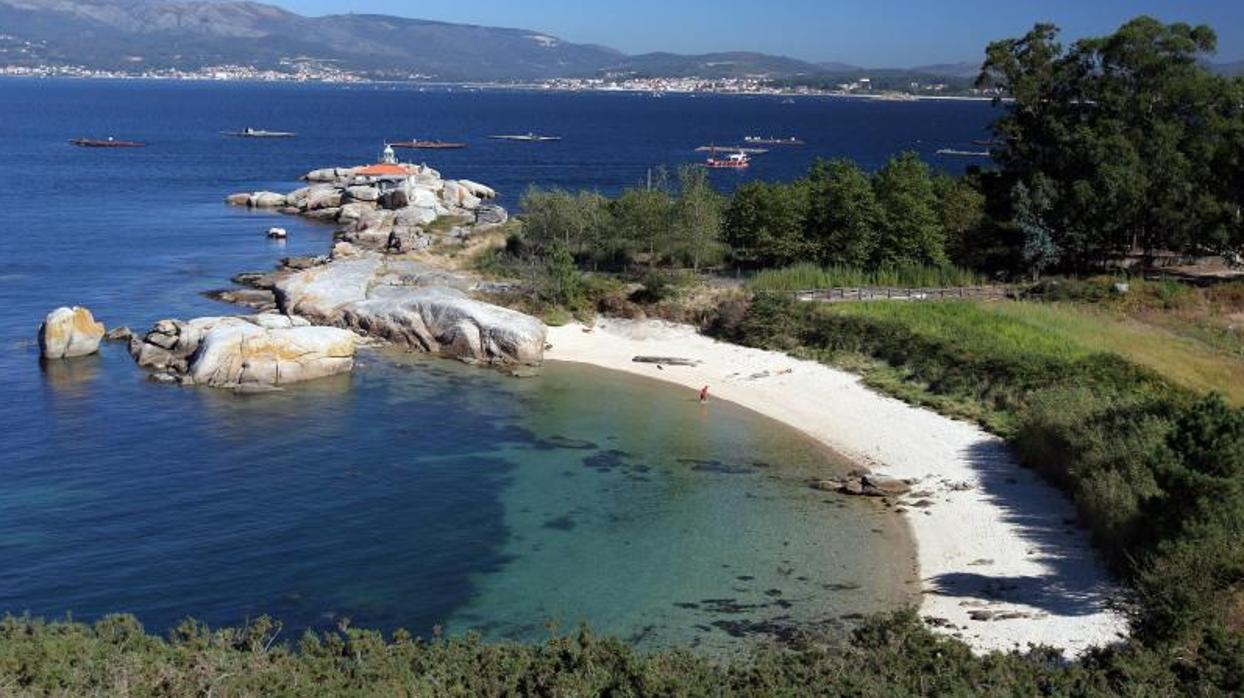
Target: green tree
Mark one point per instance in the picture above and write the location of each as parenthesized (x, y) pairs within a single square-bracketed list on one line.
[(549, 217), (764, 224), (961, 210), (564, 282), (644, 221), (697, 217), (580, 223), (844, 217), (1031, 206), (1138, 139), (910, 232), (598, 239)]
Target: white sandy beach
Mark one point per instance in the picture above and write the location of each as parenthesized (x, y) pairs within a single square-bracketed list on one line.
[(995, 541)]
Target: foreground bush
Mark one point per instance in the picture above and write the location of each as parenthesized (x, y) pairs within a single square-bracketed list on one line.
[(887, 656)]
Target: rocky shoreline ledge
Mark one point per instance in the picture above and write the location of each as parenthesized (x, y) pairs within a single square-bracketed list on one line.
[(376, 285)]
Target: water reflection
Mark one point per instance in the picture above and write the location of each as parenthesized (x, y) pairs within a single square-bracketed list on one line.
[(71, 378)]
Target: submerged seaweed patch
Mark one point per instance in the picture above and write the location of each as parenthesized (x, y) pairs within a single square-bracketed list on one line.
[(561, 523), (552, 443), (606, 460), (716, 466)]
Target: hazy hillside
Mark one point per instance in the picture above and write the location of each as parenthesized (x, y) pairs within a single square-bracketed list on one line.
[(1230, 69), (159, 33), (189, 34)]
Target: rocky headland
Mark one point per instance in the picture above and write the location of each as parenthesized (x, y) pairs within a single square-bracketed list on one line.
[(382, 278), (382, 282)]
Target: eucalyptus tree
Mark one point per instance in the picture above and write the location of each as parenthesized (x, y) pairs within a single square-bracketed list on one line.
[(1139, 143)]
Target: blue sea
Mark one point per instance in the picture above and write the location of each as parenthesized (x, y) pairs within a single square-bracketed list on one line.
[(416, 492)]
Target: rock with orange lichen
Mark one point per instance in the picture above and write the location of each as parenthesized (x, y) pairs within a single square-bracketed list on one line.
[(265, 350), (69, 332)]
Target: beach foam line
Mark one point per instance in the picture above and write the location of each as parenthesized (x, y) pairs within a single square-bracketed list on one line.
[(1002, 563)]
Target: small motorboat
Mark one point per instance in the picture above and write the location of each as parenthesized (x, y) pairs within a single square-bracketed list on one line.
[(733, 161), (259, 133), (277, 233), (429, 145), (527, 138), (108, 142)]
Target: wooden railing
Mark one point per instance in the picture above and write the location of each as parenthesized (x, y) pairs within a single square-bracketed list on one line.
[(845, 295)]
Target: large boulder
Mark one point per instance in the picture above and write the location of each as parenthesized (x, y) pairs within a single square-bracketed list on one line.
[(478, 190), (325, 175), (324, 214), (490, 215), (245, 355), (257, 350), (239, 199), (415, 216), (320, 292), (69, 332), (355, 211), (363, 193), (319, 199), (423, 197), (457, 195), (267, 199), (302, 196), (445, 321)]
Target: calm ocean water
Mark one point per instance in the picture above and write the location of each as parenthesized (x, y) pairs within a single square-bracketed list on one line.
[(416, 492)]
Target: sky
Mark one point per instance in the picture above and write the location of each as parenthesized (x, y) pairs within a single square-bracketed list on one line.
[(871, 33)]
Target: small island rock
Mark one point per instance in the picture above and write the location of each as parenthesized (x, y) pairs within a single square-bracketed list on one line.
[(69, 332)]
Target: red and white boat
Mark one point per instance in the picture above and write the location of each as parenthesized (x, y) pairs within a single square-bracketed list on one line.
[(733, 161)]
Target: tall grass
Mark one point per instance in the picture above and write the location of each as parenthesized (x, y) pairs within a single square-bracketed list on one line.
[(804, 277), (1065, 332)]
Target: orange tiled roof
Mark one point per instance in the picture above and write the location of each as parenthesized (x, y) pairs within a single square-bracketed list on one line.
[(380, 169)]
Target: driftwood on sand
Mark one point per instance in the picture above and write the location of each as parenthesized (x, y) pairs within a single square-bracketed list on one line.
[(666, 360)]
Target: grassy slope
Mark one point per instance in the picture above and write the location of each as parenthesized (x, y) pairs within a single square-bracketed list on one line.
[(1066, 331)]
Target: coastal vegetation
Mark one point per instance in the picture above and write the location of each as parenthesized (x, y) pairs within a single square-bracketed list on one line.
[(890, 655)]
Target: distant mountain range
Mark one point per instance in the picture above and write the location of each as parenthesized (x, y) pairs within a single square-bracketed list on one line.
[(1231, 69), (190, 34)]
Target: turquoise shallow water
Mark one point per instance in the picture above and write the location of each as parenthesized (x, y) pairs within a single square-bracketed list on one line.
[(687, 524)]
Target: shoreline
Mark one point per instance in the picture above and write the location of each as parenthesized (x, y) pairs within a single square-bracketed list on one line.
[(507, 87), (1001, 563)]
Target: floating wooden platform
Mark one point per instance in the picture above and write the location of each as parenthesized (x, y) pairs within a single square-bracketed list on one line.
[(429, 145), (104, 143)]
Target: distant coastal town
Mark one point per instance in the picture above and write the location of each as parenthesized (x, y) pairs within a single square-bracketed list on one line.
[(291, 71), (324, 72)]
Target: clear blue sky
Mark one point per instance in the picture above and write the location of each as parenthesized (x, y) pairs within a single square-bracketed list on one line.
[(873, 33)]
